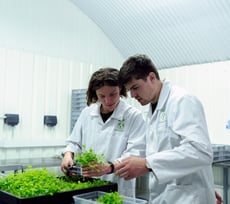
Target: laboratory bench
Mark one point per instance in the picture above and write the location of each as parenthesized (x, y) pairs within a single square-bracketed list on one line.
[(221, 169), (20, 164), (225, 168), (16, 165)]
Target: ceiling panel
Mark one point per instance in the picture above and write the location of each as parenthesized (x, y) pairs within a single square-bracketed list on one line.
[(172, 32)]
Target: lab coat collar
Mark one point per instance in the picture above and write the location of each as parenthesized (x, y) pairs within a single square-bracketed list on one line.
[(120, 110), (165, 90)]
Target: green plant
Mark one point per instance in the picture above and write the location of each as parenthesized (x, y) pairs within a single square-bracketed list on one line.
[(111, 198), (36, 182), (89, 157)]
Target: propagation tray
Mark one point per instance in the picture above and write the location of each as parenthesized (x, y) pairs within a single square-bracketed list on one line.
[(91, 197), (57, 198)]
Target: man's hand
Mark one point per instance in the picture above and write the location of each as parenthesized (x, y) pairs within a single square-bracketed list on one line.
[(131, 167)]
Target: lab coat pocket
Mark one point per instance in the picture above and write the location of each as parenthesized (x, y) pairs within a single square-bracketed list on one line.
[(161, 128), (186, 194), (160, 135)]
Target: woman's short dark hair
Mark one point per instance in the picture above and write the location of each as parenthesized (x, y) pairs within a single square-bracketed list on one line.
[(103, 77), (137, 67)]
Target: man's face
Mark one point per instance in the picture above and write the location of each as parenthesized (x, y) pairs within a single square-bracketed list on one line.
[(143, 90)]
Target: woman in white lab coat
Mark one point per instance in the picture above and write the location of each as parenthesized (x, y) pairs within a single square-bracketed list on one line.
[(178, 152), (108, 125)]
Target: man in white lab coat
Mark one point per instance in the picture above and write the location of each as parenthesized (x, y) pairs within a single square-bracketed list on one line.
[(179, 153)]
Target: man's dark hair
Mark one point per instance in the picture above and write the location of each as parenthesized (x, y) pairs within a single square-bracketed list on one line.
[(137, 67)]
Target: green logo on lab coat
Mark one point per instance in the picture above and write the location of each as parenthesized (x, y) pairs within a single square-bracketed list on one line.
[(162, 117), (120, 125)]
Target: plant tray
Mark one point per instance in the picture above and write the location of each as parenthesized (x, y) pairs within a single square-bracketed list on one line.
[(91, 197), (58, 198)]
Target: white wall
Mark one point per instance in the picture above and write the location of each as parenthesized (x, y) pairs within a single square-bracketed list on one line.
[(210, 82), (47, 48), (54, 28), (34, 85)]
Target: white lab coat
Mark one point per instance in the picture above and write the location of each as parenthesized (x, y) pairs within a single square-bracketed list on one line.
[(179, 150), (121, 135)]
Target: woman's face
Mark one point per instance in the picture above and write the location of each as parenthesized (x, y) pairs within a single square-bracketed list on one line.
[(109, 97)]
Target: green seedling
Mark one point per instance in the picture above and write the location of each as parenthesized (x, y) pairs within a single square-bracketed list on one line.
[(89, 158), (37, 182), (111, 198)]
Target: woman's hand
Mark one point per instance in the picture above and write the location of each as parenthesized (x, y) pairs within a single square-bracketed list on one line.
[(96, 169), (67, 161)]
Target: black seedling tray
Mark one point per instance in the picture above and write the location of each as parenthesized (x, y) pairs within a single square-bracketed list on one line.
[(57, 198)]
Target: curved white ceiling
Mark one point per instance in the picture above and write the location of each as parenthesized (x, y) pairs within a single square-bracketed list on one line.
[(172, 32)]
